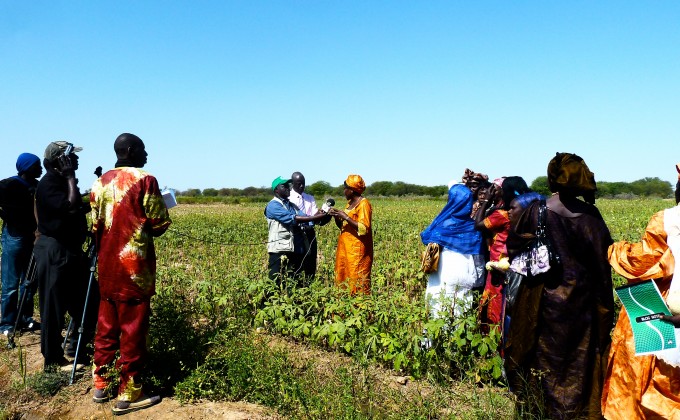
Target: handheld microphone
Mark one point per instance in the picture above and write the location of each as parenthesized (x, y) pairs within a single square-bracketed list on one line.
[(327, 205)]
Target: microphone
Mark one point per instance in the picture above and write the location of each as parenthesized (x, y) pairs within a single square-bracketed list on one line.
[(327, 205)]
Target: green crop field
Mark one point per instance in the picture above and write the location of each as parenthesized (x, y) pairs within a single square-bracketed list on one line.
[(221, 243)]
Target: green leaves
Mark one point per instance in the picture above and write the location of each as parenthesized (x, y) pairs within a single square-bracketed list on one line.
[(385, 328)]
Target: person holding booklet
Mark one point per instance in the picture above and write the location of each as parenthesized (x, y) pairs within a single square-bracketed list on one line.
[(645, 386)]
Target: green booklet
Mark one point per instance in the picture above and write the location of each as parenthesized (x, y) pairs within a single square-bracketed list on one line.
[(644, 305)]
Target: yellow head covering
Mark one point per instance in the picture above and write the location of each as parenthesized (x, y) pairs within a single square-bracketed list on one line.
[(356, 183)]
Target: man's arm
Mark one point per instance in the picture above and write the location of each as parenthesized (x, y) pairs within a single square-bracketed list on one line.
[(158, 217), (277, 211), (66, 170)]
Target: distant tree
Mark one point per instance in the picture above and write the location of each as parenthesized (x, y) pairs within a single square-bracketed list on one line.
[(436, 191), (250, 191), (319, 189), (191, 192), (646, 187), (652, 187), (338, 191), (399, 188), (540, 185), (229, 192), (613, 189), (380, 188)]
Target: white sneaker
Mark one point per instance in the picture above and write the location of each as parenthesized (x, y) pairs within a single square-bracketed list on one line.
[(67, 368), (144, 401)]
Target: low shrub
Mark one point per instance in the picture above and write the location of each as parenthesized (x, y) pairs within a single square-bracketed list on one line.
[(384, 327)]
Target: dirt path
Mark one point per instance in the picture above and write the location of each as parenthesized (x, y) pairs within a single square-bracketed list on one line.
[(75, 401)]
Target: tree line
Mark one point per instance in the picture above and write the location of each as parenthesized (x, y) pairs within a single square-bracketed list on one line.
[(646, 187)]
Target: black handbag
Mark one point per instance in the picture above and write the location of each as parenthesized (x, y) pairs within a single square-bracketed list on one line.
[(539, 257), (542, 251)]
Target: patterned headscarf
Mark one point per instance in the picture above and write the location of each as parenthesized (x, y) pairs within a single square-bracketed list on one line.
[(569, 173), (356, 183), (469, 175)]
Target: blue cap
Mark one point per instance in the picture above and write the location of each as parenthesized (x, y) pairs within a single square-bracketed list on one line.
[(25, 161)]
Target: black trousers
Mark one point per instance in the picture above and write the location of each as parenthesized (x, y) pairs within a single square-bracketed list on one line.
[(284, 265), (309, 257), (62, 276)]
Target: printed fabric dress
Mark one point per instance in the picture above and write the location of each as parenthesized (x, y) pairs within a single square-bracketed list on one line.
[(491, 306), (354, 254), (125, 229), (643, 387)]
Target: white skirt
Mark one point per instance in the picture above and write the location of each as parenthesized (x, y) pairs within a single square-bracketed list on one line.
[(451, 285)]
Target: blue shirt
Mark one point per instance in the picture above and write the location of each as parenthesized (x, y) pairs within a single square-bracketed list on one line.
[(284, 212)]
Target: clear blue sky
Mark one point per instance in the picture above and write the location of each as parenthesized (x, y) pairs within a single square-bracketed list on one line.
[(235, 93)]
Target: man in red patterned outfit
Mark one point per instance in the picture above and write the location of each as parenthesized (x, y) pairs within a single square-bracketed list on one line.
[(127, 213)]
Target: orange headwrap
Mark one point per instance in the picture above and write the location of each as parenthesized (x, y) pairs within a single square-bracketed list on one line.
[(356, 183)]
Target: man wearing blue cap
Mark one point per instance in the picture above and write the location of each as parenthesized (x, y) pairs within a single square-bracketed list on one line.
[(286, 243), (18, 234)]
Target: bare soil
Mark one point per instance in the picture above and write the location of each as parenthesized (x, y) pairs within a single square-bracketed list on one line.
[(75, 401)]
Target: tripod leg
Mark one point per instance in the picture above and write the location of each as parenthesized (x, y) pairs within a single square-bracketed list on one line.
[(10, 337), (69, 330), (81, 328), (29, 277)]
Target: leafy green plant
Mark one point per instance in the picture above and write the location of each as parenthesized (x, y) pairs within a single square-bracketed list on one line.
[(48, 382), (385, 328)]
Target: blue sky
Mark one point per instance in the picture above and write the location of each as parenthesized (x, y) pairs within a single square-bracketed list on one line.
[(236, 93)]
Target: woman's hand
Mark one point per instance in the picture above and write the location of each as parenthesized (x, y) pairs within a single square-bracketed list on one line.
[(494, 193), (339, 216)]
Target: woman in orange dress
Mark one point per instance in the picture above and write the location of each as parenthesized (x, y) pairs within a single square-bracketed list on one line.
[(354, 255), (639, 387)]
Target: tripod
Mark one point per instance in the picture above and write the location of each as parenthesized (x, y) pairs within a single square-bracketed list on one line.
[(28, 283), (92, 256)]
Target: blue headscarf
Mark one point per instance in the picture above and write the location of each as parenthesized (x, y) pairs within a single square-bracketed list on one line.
[(25, 161), (527, 198), (453, 228)]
